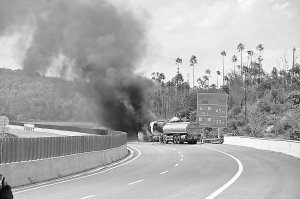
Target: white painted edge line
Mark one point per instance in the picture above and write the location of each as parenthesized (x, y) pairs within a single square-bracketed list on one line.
[(163, 172), (235, 177), (176, 165), (88, 197), (136, 182), (85, 176)]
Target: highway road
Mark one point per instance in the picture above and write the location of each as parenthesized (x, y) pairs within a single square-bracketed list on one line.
[(181, 171)]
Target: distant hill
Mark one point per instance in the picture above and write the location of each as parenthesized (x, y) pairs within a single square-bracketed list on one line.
[(26, 96)]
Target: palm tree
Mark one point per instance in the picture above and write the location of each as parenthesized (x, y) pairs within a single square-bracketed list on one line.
[(223, 53), (219, 73), (193, 61), (205, 78), (208, 74), (240, 48), (250, 54), (260, 48), (178, 62), (234, 59), (259, 60)]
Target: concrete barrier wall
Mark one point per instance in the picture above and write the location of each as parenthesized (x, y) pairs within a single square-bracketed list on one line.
[(23, 173), (288, 147)]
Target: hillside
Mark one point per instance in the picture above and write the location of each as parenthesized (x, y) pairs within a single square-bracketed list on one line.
[(272, 101)]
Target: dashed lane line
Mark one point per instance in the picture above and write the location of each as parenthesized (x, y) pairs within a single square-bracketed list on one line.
[(181, 159), (163, 172), (235, 177), (136, 182), (176, 165), (88, 197)]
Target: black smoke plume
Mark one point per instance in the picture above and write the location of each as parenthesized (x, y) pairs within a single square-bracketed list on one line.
[(96, 44)]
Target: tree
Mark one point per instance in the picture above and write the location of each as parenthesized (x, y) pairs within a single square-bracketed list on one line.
[(158, 77), (219, 73), (250, 54), (207, 72), (178, 79), (240, 48), (193, 61), (178, 62), (213, 86), (205, 77), (260, 48), (234, 59), (274, 73), (259, 69), (223, 53), (201, 83)]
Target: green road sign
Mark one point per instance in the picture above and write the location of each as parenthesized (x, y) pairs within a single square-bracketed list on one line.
[(212, 110), (206, 109), (212, 98), (212, 121)]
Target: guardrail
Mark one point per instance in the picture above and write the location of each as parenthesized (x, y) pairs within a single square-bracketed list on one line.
[(289, 147), (213, 140), (25, 149)]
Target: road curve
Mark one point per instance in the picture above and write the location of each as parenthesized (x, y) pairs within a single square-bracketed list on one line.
[(182, 171)]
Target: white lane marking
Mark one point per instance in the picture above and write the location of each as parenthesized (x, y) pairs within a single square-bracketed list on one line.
[(176, 165), (163, 172), (181, 159), (179, 152), (181, 155), (136, 182), (88, 197), (63, 181), (171, 148), (235, 177)]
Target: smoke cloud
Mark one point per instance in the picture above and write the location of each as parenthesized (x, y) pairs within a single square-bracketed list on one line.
[(95, 44)]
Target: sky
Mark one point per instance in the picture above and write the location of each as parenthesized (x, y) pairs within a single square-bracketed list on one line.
[(204, 28)]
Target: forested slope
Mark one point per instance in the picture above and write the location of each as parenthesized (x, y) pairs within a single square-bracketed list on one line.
[(31, 96), (272, 101)]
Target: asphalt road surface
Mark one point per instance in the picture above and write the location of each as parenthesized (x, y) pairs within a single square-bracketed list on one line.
[(181, 171)]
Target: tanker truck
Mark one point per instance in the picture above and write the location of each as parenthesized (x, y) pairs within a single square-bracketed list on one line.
[(180, 132), (156, 130)]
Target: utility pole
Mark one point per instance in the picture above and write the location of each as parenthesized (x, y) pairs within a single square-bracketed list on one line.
[(294, 49)]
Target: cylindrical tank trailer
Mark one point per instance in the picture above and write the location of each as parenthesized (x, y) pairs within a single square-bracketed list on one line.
[(180, 132)]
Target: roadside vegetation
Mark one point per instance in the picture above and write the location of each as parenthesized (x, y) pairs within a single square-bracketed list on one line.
[(259, 104)]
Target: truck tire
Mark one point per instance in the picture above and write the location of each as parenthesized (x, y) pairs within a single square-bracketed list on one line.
[(175, 139)]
